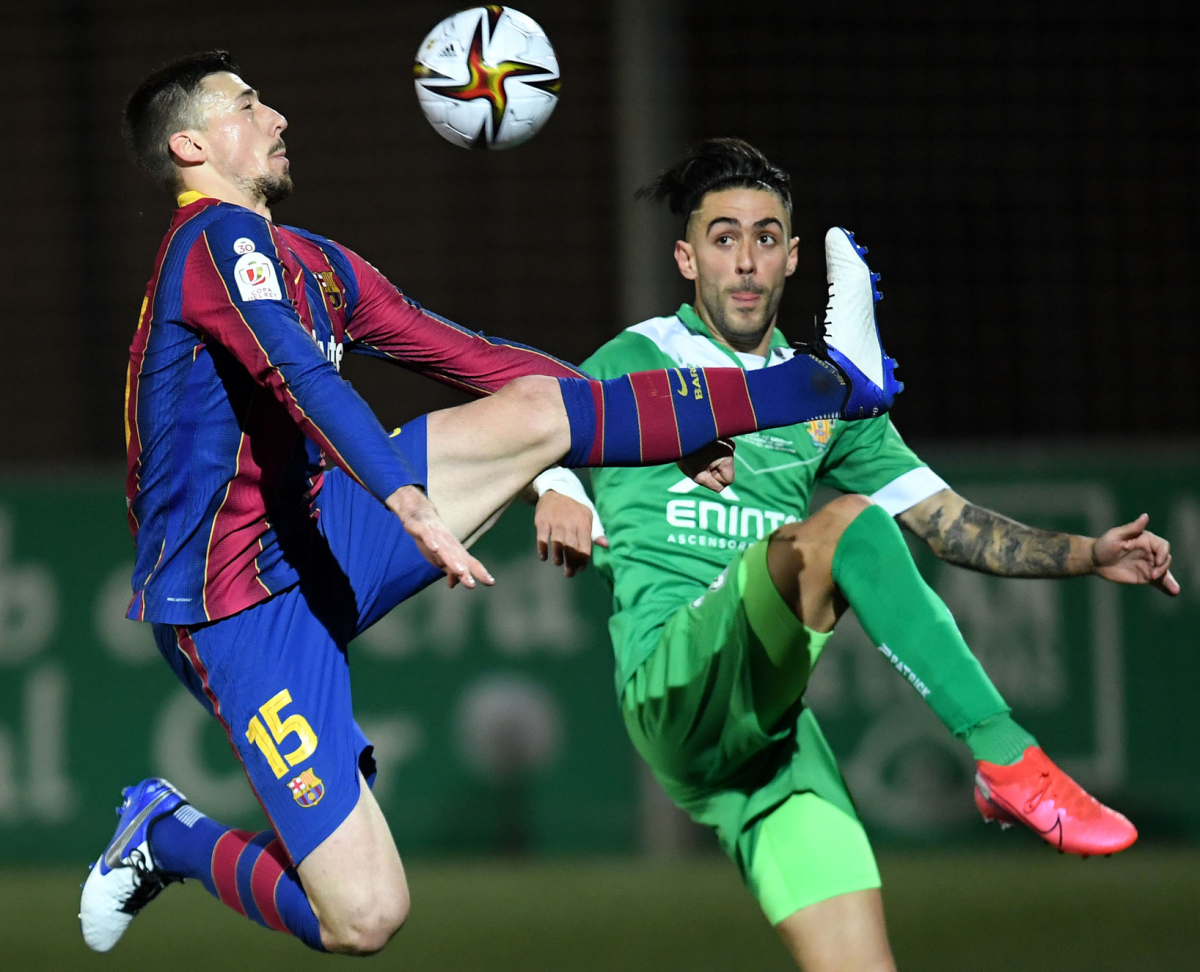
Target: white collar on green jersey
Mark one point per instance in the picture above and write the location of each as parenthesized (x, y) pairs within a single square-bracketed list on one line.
[(684, 338), (691, 320)]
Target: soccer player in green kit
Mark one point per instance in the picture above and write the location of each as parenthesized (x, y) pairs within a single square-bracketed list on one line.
[(722, 604)]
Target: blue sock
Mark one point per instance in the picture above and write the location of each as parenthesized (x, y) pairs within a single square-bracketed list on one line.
[(652, 417), (248, 872)]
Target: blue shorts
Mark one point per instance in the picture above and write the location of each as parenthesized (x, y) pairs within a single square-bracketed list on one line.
[(277, 675)]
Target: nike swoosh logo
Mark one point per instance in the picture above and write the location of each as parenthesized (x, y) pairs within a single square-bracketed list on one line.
[(112, 856), (682, 384)]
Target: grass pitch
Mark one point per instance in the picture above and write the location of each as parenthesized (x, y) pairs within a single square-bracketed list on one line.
[(1020, 911)]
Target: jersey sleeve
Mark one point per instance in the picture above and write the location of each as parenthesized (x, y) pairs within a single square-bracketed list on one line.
[(870, 457), (384, 323), (235, 295)]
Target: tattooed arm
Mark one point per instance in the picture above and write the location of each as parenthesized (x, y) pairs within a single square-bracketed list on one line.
[(962, 533)]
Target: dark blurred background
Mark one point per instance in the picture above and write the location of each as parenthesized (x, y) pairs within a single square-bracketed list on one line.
[(1025, 175)]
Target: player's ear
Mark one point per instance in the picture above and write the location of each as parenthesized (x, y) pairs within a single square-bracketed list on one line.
[(685, 259), (186, 148), (793, 255)]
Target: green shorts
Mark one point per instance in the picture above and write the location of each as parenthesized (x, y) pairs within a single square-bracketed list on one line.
[(690, 711)]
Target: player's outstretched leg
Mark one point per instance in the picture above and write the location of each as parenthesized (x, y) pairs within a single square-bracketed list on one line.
[(916, 632), (852, 552), (483, 453), (161, 839)]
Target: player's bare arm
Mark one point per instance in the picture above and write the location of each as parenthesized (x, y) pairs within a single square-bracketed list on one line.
[(961, 533)]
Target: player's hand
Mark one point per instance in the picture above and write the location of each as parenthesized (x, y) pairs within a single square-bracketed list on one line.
[(564, 532), (1131, 554), (711, 465), (433, 538)]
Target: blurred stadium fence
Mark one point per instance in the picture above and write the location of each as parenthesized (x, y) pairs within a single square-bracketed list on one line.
[(493, 714)]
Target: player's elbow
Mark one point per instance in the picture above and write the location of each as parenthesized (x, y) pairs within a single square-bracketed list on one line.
[(369, 929)]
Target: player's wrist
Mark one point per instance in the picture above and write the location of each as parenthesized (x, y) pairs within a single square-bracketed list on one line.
[(563, 481)]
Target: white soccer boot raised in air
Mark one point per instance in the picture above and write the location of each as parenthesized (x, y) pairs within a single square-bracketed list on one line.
[(125, 879), (851, 331)]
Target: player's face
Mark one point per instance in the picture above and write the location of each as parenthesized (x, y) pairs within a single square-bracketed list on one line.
[(739, 253), (245, 138)]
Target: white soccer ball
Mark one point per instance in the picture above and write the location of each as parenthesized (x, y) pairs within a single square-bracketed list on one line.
[(487, 78)]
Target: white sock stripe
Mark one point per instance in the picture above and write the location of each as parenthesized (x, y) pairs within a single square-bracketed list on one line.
[(188, 815)]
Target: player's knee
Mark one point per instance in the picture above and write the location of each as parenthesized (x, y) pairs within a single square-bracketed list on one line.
[(369, 927), (810, 543), (539, 400), (839, 513)]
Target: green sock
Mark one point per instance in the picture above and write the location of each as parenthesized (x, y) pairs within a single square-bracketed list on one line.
[(914, 629), (999, 740)]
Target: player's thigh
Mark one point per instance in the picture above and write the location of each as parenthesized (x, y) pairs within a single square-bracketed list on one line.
[(781, 650), (277, 678), (375, 557), (484, 453), (842, 934), (355, 880), (740, 648), (810, 866)]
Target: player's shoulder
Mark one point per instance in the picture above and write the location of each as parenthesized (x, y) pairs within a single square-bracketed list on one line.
[(628, 351), (233, 231), (315, 239), (660, 342)]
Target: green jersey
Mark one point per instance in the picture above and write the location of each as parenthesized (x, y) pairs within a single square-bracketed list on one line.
[(669, 537)]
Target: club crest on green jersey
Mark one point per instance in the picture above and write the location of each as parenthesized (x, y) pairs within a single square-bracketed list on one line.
[(820, 431)]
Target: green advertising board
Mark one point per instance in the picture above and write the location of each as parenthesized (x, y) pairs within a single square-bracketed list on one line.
[(492, 710)]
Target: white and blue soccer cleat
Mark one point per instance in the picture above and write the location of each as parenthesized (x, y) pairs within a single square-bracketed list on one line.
[(851, 331), (125, 878)]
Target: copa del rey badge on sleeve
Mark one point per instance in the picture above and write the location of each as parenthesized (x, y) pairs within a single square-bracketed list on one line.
[(254, 273)]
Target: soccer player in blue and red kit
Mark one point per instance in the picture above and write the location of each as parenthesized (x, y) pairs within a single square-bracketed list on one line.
[(275, 518)]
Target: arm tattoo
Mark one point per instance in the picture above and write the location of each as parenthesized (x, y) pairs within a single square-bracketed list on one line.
[(979, 539)]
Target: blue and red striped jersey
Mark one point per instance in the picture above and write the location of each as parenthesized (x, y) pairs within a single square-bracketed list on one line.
[(234, 402)]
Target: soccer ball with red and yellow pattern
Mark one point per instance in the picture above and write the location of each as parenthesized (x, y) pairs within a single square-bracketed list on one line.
[(487, 78)]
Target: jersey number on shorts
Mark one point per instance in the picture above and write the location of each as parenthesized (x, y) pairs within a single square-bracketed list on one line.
[(280, 730)]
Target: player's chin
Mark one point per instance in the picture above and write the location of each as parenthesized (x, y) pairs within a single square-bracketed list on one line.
[(749, 317)]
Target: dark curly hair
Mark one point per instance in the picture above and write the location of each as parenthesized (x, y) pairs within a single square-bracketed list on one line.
[(712, 165)]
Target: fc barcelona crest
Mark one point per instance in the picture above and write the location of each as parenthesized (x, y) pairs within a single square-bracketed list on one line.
[(820, 431), (329, 285), (307, 789)]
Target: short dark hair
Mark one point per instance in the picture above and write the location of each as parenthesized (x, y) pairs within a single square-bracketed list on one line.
[(165, 103), (712, 165)]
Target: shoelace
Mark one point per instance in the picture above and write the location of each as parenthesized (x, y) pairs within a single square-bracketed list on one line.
[(147, 883), (1032, 803), (1071, 798)]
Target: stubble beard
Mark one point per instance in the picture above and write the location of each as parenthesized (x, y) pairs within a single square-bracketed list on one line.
[(273, 189), (267, 189), (740, 335)]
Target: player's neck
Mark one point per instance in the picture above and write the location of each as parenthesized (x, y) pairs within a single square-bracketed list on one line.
[(214, 187), (750, 344)]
